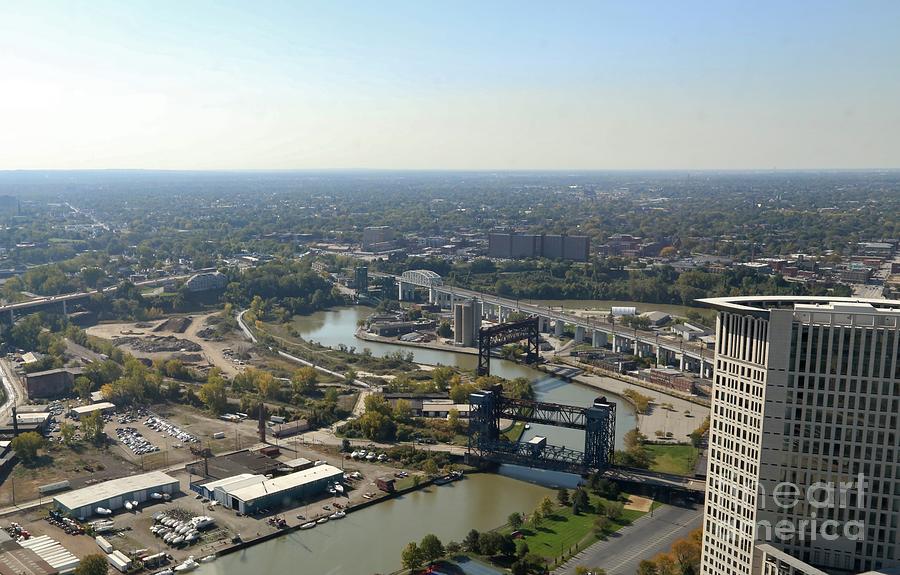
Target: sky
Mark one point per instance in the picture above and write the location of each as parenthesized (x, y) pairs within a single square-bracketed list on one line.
[(449, 85)]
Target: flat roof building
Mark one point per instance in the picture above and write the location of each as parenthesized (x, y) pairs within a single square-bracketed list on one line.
[(284, 490), (103, 407), (82, 503)]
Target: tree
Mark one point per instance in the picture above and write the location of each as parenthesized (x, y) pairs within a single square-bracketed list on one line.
[(82, 387), (582, 570), (441, 376), (547, 506), (213, 393), (470, 543), (304, 381), (93, 564), (67, 432), (580, 501), (647, 567), (490, 543), (506, 546), (536, 518), (403, 411), (614, 510), (431, 548), (350, 377), (92, 426), (444, 329), (515, 520), (453, 420), (345, 445), (452, 548), (26, 445), (430, 467), (562, 496), (601, 524), (411, 556)]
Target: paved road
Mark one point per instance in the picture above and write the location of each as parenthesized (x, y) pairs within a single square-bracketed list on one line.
[(622, 553), (13, 391)]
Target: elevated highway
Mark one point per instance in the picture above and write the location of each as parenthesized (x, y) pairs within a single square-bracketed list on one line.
[(686, 355)]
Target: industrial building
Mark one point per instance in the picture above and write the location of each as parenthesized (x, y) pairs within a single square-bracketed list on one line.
[(82, 503), (282, 491), (522, 246), (51, 553), (51, 383), (467, 322), (102, 407)]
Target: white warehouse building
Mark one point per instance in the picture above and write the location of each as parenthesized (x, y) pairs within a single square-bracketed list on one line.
[(83, 503)]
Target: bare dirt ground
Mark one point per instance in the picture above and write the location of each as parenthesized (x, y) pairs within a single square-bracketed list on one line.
[(638, 503), (211, 352)]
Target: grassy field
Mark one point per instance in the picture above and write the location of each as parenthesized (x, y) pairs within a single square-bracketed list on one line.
[(563, 530), (675, 459)]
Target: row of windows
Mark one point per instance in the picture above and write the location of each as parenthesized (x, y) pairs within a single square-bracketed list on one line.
[(845, 351)]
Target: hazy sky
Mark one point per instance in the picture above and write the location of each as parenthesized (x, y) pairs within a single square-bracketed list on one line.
[(467, 85)]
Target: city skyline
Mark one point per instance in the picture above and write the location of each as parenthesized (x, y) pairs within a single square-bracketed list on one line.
[(499, 87)]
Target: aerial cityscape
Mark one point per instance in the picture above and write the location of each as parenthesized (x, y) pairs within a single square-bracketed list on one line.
[(331, 289)]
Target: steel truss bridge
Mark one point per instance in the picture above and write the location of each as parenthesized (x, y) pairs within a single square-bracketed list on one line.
[(527, 330), (598, 421)]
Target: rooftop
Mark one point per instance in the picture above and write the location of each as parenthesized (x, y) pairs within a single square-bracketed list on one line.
[(286, 482), (100, 492), (761, 305)]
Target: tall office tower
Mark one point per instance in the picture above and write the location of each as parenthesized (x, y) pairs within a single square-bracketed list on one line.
[(804, 448)]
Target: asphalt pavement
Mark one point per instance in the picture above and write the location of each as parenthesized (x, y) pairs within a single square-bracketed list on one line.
[(621, 553)]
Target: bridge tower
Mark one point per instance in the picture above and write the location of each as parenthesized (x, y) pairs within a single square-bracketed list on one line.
[(599, 434)]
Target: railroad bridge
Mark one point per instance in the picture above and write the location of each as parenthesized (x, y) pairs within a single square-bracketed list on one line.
[(598, 421)]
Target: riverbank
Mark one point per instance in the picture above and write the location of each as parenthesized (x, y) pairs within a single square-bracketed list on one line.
[(362, 334)]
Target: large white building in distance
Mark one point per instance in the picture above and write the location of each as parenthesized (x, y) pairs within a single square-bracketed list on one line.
[(804, 450)]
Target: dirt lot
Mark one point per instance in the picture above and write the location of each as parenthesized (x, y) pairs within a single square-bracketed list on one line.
[(181, 328)]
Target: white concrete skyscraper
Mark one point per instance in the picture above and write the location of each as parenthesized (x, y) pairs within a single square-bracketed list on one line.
[(804, 450)]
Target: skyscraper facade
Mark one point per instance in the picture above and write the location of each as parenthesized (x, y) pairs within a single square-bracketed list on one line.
[(804, 450)]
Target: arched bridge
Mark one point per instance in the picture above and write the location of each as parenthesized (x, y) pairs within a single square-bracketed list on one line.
[(418, 279)]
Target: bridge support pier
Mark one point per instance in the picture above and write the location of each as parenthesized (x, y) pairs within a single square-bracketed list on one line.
[(579, 334), (558, 328), (598, 339)]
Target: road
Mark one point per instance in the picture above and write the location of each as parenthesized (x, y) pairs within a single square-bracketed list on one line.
[(621, 553), (14, 393)]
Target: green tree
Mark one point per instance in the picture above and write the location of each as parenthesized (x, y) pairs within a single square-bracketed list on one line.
[(92, 426), (26, 445), (412, 556), (547, 507), (214, 394), (82, 387), (562, 496), (601, 524), (444, 330), (430, 467), (67, 432), (515, 520), (304, 380), (93, 564), (431, 548), (580, 500), (470, 543), (536, 518)]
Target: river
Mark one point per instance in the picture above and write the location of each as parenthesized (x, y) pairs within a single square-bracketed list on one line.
[(337, 326), (370, 541)]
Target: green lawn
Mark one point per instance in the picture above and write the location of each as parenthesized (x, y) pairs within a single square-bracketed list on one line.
[(563, 530), (515, 431), (675, 459)]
